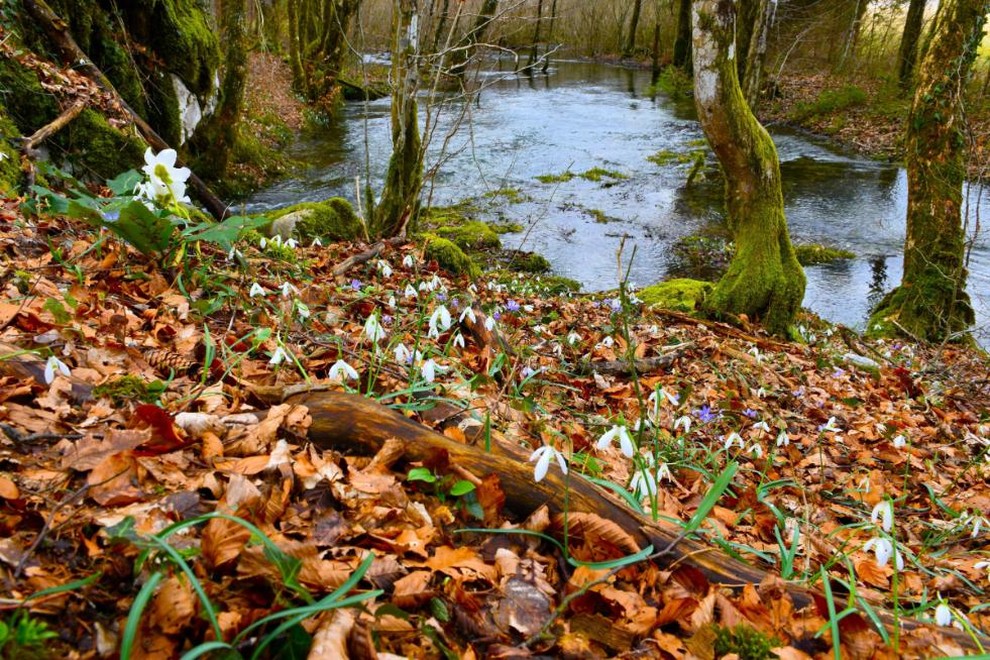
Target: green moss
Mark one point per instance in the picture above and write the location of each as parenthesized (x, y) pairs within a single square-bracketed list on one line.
[(185, 40), (450, 257), (668, 156), (510, 195), (745, 642), (129, 388), (830, 101), (28, 105), (471, 235), (675, 83), (10, 171), (682, 294), (97, 149), (810, 254), (557, 285), (506, 227), (163, 111), (563, 177), (598, 173), (330, 220), (598, 215), (528, 262)]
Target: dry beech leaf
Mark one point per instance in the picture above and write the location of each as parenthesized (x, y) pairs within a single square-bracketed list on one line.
[(594, 538), (413, 590), (222, 542), (330, 638), (174, 605), (8, 489)]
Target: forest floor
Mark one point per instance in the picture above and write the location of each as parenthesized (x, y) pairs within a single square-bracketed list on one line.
[(135, 396)]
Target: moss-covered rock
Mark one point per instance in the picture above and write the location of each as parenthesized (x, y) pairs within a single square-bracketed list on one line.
[(10, 171), (470, 235), (450, 257), (28, 105), (681, 295), (330, 220), (810, 254), (97, 150)]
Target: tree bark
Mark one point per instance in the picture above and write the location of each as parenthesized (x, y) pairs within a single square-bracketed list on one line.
[(764, 279), (462, 54), (630, 46), (931, 303), (757, 50), (404, 179), (534, 52), (908, 52), (682, 42)]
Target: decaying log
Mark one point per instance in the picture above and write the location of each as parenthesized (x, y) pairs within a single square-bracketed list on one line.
[(353, 423), (367, 255), (58, 32), (639, 366)]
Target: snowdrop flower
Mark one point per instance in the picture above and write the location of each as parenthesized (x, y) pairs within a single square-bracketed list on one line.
[(490, 323), (732, 440), (756, 450), (643, 484), (302, 309), (166, 182), (373, 329), (684, 421), (402, 354), (458, 340), (316, 242), (391, 302), (883, 549), (263, 243), (234, 253), (543, 456), (440, 321), (983, 566), (782, 439), (762, 426), (436, 283), (573, 338), (288, 289), (762, 392), (292, 243), (943, 614), (607, 342), (257, 290), (279, 355), (468, 313), (899, 442), (410, 292), (642, 423), (51, 366), (663, 472), (884, 510), (277, 240), (829, 426), (625, 441), (755, 352), (408, 261), (424, 286), (429, 370), (341, 371)]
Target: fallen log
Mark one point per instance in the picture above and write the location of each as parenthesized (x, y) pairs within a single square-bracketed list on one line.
[(29, 145), (352, 423), (58, 32)]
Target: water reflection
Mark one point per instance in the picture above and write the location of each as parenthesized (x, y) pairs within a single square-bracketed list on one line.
[(585, 115)]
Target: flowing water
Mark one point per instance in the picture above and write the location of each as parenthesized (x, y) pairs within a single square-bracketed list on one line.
[(584, 115)]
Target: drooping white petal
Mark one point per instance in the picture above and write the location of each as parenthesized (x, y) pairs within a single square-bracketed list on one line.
[(884, 510)]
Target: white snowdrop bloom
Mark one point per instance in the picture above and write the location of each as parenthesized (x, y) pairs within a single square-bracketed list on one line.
[(292, 243), (830, 426), (755, 352), (900, 442), (643, 484), (52, 365), (440, 321), (234, 254), (409, 261), (543, 455), (943, 614), (762, 392), (302, 309), (436, 283), (883, 510), (373, 329), (756, 450), (685, 421), (625, 440), (472, 288), (277, 240), (607, 342), (642, 423), (257, 290), (663, 472), (429, 370), (489, 323), (410, 292), (762, 426), (458, 340), (468, 313), (279, 355), (880, 427), (882, 548), (782, 439), (423, 287), (288, 288), (341, 371), (263, 243), (402, 354), (391, 302), (317, 242), (384, 268), (573, 338), (732, 440)]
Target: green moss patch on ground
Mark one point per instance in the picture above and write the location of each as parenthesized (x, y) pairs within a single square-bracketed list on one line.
[(810, 254), (330, 220), (449, 256), (681, 294)]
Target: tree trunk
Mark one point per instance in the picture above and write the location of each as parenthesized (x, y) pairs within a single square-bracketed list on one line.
[(404, 180), (553, 19), (931, 303), (295, 62), (459, 58), (764, 279), (908, 53), (534, 53), (852, 34), (746, 11), (757, 50), (682, 42), (214, 142), (630, 47)]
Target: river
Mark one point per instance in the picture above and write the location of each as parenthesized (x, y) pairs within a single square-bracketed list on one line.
[(586, 115)]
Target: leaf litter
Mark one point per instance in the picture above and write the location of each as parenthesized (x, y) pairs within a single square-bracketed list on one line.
[(167, 415)]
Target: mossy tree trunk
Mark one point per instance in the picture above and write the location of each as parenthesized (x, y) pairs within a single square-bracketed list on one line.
[(295, 61), (404, 180), (682, 40), (756, 51), (764, 279), (907, 55), (630, 46), (214, 142), (931, 303)]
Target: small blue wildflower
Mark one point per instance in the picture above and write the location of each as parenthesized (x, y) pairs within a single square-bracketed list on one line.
[(497, 315), (356, 285), (799, 392), (705, 414), (615, 304), (455, 303), (442, 297), (752, 414), (512, 306), (386, 319), (838, 373), (111, 216)]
